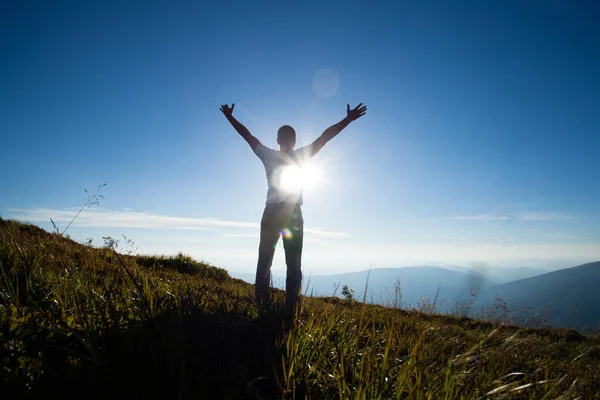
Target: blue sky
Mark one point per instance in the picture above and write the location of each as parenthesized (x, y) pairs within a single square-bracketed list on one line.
[(480, 144)]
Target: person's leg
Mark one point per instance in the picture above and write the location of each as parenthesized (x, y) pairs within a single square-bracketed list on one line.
[(292, 242), (270, 228)]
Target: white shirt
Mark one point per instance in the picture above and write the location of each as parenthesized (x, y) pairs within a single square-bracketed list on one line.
[(283, 174)]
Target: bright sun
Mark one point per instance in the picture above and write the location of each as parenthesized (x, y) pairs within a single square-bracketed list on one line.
[(294, 179)]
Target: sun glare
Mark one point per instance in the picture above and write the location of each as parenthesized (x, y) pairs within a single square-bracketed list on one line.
[(294, 179)]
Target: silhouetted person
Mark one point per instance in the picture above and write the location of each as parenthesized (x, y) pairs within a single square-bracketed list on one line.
[(283, 213)]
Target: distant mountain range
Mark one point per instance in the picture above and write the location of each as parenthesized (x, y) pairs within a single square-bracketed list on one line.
[(567, 297), (416, 283)]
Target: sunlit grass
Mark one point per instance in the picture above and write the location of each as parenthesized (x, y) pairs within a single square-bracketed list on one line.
[(84, 322)]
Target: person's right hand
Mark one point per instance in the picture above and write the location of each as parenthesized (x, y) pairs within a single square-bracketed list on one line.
[(355, 113), (228, 111)]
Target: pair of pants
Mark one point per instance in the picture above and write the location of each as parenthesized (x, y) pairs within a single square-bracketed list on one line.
[(281, 219)]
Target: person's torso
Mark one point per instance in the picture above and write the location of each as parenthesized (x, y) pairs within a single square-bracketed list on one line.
[(283, 174)]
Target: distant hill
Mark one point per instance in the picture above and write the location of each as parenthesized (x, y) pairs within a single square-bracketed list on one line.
[(502, 274), (415, 282), (571, 296)]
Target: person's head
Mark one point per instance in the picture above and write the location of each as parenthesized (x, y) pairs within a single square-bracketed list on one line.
[(286, 138)]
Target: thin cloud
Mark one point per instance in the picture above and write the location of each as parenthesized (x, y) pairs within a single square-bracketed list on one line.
[(325, 233), (100, 218), (240, 235), (547, 217), (539, 216), (125, 219), (481, 217)]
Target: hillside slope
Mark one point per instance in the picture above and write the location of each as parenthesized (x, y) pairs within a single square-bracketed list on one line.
[(83, 322), (570, 296)]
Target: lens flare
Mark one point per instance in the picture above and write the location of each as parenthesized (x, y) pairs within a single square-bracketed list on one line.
[(286, 233), (294, 178)]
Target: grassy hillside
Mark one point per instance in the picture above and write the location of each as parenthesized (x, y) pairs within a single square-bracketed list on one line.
[(83, 322)]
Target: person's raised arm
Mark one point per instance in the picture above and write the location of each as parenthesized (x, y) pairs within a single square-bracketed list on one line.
[(239, 127), (333, 130)]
